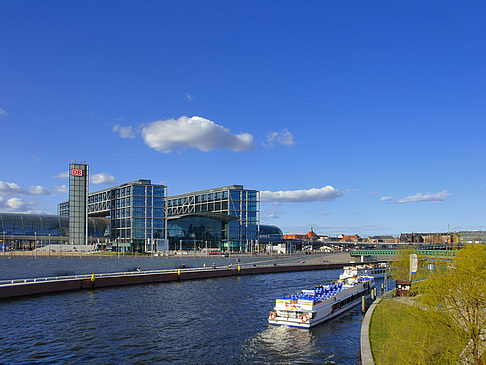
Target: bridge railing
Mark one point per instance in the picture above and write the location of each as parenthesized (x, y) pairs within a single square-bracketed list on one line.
[(372, 252)]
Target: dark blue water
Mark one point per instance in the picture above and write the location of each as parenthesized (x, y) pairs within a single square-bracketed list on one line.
[(213, 321)]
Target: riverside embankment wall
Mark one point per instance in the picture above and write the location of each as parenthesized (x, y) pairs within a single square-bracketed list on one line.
[(38, 286)]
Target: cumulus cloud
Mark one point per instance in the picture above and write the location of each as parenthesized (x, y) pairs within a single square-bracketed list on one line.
[(63, 189), (8, 188), (195, 132), (102, 178), (16, 205), (62, 175), (38, 190), (124, 132), (325, 194), (428, 197), (284, 138), (385, 198)]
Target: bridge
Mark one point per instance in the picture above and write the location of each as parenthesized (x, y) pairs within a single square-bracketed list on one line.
[(377, 252)]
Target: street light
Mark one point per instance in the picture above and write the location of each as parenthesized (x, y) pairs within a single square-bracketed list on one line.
[(35, 243)]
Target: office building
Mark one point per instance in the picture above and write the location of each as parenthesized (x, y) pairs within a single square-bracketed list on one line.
[(226, 218), (136, 210)]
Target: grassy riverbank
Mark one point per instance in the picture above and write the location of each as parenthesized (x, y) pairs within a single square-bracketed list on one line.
[(398, 335)]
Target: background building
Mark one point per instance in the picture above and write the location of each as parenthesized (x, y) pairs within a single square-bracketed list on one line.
[(29, 231)]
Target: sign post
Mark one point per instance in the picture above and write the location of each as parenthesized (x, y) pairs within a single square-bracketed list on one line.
[(413, 265)]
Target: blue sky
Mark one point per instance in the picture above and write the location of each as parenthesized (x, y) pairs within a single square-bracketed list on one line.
[(352, 117)]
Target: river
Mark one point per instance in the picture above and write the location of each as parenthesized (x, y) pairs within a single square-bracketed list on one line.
[(213, 321)]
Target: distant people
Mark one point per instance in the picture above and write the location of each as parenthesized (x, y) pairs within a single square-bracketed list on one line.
[(182, 266), (213, 266)]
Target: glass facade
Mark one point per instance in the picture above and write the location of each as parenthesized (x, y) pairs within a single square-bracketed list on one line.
[(228, 216), (78, 197), (137, 213), (136, 210), (195, 232), (270, 234), (233, 201), (53, 228)]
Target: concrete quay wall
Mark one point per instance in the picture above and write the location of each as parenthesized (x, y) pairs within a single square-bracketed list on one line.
[(53, 285)]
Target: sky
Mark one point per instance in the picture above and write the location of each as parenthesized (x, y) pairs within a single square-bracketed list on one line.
[(350, 117)]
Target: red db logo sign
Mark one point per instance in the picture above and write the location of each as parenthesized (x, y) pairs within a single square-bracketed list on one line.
[(77, 172)]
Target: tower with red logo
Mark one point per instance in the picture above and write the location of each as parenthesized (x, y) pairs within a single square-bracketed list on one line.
[(78, 199)]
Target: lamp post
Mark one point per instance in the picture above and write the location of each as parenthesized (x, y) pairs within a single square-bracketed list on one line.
[(4, 245), (35, 243), (49, 246)]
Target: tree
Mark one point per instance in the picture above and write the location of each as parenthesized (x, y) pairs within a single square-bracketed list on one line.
[(400, 267), (450, 309), (455, 296)]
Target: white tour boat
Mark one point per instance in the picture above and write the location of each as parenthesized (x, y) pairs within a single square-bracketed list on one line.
[(375, 270), (311, 307)]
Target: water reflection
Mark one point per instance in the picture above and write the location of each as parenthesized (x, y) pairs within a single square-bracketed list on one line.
[(280, 344)]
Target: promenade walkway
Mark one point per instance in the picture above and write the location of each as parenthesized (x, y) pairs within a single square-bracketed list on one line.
[(43, 285)]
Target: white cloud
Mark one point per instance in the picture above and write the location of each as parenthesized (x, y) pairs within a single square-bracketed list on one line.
[(62, 175), (3, 113), (16, 205), (102, 178), (428, 197), (38, 190), (195, 132), (284, 138), (189, 97), (326, 193), (63, 189), (272, 216), (124, 132), (7, 188), (385, 198)]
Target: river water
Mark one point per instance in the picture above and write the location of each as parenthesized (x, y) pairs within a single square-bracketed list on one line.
[(212, 321)]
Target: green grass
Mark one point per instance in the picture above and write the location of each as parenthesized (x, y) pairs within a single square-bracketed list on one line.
[(400, 334), (384, 315)]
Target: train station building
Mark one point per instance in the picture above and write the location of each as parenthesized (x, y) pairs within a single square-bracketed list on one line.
[(141, 214), (138, 216)]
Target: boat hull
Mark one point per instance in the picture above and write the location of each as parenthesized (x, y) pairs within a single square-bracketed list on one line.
[(305, 315), (316, 321)]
